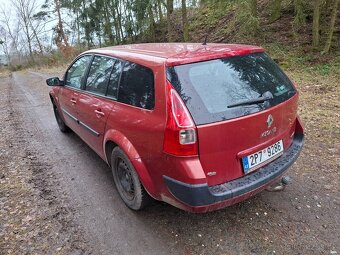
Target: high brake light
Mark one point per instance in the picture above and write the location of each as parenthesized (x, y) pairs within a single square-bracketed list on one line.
[(180, 131)]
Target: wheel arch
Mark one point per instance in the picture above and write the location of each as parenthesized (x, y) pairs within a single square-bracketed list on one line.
[(114, 138), (53, 93), (55, 103)]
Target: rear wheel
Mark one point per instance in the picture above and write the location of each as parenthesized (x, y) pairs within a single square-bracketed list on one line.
[(61, 124), (127, 181)]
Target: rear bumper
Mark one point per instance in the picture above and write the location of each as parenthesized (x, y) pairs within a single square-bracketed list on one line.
[(201, 197)]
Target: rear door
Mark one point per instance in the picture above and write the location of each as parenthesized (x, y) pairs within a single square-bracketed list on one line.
[(134, 115), (219, 95), (69, 94), (98, 99)]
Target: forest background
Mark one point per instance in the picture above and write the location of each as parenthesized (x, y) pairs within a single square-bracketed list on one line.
[(52, 33)]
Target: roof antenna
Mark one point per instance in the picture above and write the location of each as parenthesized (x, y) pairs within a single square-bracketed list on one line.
[(205, 40)]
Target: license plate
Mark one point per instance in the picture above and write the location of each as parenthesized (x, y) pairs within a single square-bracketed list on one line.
[(262, 157)]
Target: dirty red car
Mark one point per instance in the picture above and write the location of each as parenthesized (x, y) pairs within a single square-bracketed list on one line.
[(200, 127)]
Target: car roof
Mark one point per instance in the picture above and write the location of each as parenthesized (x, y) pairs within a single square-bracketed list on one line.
[(180, 53)]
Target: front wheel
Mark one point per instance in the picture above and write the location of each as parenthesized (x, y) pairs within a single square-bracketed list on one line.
[(127, 181), (61, 124)]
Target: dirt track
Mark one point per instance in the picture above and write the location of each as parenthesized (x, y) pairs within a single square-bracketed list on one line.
[(69, 189)]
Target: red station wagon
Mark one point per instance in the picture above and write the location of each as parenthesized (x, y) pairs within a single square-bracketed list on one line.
[(200, 127)]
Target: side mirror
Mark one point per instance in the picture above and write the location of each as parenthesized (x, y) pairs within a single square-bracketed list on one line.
[(54, 82)]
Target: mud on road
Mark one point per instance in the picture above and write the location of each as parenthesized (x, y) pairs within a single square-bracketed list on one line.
[(57, 196)]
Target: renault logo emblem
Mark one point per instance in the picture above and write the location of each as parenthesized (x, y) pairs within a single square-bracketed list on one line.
[(270, 120)]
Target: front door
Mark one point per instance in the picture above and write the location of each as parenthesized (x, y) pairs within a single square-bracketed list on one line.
[(98, 99), (69, 94)]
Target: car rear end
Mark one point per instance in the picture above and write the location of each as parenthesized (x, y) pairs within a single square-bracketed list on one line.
[(232, 127)]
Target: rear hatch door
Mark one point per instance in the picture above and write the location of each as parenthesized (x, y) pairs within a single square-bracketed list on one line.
[(241, 105)]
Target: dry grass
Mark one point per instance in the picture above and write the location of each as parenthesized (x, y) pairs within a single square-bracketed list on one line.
[(57, 69), (4, 72), (319, 110), (319, 103)]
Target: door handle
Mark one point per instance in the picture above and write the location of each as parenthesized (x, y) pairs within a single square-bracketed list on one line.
[(73, 101), (99, 112)]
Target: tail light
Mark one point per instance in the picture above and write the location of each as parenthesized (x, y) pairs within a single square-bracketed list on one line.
[(180, 132)]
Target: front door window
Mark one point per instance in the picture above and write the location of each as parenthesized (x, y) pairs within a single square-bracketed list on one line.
[(76, 73), (99, 75)]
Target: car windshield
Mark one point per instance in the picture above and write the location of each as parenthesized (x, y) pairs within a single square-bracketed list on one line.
[(209, 88)]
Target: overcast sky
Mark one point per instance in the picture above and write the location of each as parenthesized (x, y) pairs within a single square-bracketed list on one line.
[(7, 3), (4, 3)]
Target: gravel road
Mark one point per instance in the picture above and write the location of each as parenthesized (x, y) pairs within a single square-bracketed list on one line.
[(69, 204)]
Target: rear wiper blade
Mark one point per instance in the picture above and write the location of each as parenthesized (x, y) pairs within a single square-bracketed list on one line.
[(265, 97)]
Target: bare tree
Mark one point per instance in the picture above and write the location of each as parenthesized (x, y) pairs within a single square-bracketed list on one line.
[(35, 28), (11, 30), (61, 37), (4, 43), (24, 20), (25, 10)]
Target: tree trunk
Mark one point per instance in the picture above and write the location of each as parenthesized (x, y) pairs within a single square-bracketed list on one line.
[(120, 21), (185, 21), (159, 6), (78, 29), (22, 8), (13, 32), (170, 8), (107, 26), (27, 33), (4, 44), (60, 23), (170, 5), (37, 38), (86, 28), (115, 22), (152, 23), (331, 27), (131, 30), (316, 23)]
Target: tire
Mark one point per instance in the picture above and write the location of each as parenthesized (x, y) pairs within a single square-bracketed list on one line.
[(129, 187), (61, 124)]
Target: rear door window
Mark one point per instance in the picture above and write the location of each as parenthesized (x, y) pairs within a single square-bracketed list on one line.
[(112, 90), (209, 87), (99, 75), (137, 86)]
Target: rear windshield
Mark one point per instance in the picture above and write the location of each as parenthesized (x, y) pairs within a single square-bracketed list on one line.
[(209, 87)]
